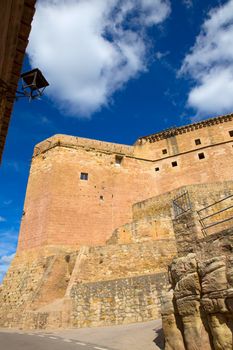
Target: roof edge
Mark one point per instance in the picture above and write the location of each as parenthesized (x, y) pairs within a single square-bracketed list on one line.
[(173, 131), (75, 142)]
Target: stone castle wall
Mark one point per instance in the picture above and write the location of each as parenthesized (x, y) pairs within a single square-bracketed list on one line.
[(62, 209), (94, 250), (120, 301), (105, 303), (180, 140), (91, 287), (120, 282), (215, 145)]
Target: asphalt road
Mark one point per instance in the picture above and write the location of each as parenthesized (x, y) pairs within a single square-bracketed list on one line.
[(135, 336), (40, 341)]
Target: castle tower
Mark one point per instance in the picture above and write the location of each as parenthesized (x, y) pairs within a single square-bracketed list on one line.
[(80, 190)]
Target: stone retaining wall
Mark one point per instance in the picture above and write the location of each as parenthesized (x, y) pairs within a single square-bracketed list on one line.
[(105, 303), (135, 299)]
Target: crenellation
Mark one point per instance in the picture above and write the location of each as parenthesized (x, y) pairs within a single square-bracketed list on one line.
[(187, 128)]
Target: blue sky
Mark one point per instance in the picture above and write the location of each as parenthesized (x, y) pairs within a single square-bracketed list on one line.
[(116, 73)]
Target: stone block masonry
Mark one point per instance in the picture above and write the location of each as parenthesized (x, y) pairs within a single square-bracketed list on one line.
[(105, 303), (64, 286), (80, 190), (135, 299), (125, 260), (98, 227), (102, 285), (62, 208)]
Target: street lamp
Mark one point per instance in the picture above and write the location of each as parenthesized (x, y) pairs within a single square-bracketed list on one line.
[(33, 84)]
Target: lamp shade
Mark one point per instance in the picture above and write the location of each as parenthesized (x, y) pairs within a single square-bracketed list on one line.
[(34, 79)]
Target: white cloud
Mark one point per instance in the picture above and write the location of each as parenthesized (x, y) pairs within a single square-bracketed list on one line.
[(14, 165), (210, 64), (4, 264), (188, 3), (159, 55), (7, 202), (2, 219), (6, 259), (8, 242), (43, 120), (89, 49)]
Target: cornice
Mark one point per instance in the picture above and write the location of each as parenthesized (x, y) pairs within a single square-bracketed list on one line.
[(184, 129)]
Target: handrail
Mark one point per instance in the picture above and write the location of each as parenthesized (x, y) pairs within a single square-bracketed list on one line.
[(220, 211), (208, 206), (204, 226), (218, 222)]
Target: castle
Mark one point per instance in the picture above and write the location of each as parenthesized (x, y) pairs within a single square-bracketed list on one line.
[(80, 190), (97, 230)]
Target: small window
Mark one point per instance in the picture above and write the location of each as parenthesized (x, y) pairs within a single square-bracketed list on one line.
[(164, 151), (174, 164), (118, 160), (157, 169), (201, 155), (197, 141), (101, 198), (84, 176), (231, 133)]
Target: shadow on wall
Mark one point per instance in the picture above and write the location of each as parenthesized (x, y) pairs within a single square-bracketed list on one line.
[(159, 339)]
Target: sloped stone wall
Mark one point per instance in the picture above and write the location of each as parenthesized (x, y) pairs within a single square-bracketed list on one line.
[(69, 286), (33, 279), (112, 302), (91, 286), (145, 229), (120, 301), (125, 260)]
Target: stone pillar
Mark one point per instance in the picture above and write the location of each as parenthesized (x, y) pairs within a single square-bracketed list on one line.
[(213, 273), (186, 232), (171, 325), (187, 294)]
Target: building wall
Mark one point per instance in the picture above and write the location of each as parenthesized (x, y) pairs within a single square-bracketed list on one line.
[(46, 284), (15, 25), (216, 145), (210, 132), (122, 301), (62, 209), (119, 282)]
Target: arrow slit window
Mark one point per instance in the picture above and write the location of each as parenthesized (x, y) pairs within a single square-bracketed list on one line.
[(84, 176)]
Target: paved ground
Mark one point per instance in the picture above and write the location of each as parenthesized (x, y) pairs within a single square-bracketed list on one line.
[(139, 336), (32, 341)]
